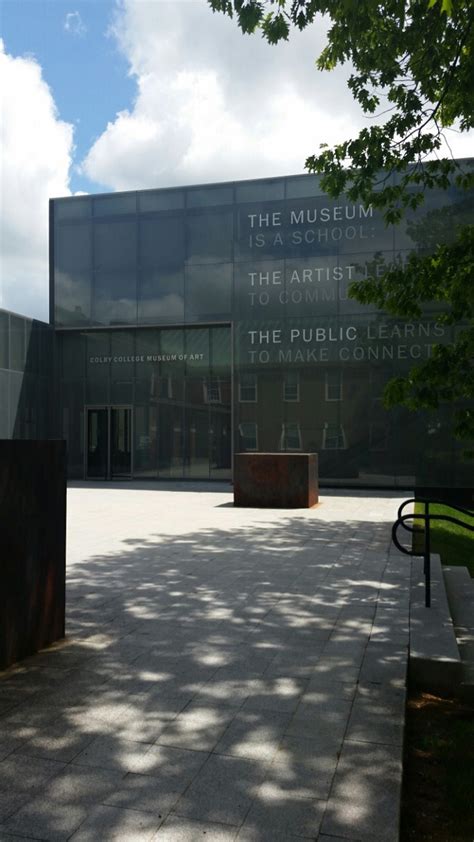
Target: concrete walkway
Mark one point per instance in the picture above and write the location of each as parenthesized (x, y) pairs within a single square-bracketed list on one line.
[(229, 674)]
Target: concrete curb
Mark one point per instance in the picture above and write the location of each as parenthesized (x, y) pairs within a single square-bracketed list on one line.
[(460, 592), (434, 662)]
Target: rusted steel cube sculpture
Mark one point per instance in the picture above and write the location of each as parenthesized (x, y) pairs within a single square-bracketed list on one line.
[(276, 480)]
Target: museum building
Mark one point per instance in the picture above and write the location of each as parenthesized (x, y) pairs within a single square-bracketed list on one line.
[(194, 323)]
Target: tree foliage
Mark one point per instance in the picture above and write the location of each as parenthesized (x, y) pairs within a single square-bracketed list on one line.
[(445, 277), (413, 73)]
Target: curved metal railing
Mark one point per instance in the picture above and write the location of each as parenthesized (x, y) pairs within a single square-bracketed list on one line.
[(427, 517)]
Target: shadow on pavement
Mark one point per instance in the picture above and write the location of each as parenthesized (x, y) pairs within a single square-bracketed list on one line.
[(207, 682)]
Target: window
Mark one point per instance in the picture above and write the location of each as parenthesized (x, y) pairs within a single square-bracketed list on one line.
[(17, 343), (248, 388), (290, 438), (333, 386), (161, 386), (291, 386), (379, 378), (248, 435), (4, 341), (334, 437), (212, 391), (115, 204), (210, 237), (378, 436)]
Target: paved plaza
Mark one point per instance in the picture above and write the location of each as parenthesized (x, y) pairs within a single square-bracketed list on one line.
[(228, 674)]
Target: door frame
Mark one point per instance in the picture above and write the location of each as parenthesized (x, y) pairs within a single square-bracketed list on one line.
[(108, 408)]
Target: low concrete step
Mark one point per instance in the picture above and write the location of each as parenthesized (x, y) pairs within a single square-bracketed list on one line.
[(434, 663), (460, 591)]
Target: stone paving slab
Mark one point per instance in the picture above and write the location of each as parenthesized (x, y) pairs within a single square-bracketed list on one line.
[(41, 819), (364, 803), (272, 817), (177, 829), (107, 823), (82, 785), (228, 674), (223, 791)]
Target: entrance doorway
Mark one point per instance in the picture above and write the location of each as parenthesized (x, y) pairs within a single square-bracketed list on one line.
[(109, 442)]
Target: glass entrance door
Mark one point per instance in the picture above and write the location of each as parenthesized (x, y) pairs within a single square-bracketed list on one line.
[(97, 443), (109, 442), (120, 441)]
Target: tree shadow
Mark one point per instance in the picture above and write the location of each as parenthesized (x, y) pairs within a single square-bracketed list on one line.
[(208, 680)]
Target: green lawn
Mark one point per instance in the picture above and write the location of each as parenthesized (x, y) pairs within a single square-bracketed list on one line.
[(454, 544)]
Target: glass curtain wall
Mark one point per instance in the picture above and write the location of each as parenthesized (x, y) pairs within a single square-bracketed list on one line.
[(275, 258), (311, 363), (169, 389)]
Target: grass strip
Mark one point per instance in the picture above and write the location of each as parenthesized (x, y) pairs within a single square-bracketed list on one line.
[(453, 543)]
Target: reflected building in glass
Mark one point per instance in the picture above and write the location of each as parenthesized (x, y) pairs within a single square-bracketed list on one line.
[(194, 323)]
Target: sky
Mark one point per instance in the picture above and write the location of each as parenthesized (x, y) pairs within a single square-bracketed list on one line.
[(105, 95)]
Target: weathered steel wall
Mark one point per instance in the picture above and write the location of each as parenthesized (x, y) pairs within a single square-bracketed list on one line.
[(32, 546), (276, 480)]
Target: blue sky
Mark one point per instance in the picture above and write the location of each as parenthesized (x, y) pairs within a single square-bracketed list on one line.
[(83, 66), (105, 95)]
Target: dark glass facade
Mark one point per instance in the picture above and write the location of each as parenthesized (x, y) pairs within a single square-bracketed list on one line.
[(169, 387), (197, 322), (27, 397)]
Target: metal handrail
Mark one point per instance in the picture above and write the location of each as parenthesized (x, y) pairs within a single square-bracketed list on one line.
[(429, 500), (427, 517)]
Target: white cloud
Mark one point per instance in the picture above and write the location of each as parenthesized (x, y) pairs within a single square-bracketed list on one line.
[(74, 24), (36, 157), (213, 104)]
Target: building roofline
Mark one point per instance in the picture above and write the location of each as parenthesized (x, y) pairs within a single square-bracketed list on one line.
[(204, 185)]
